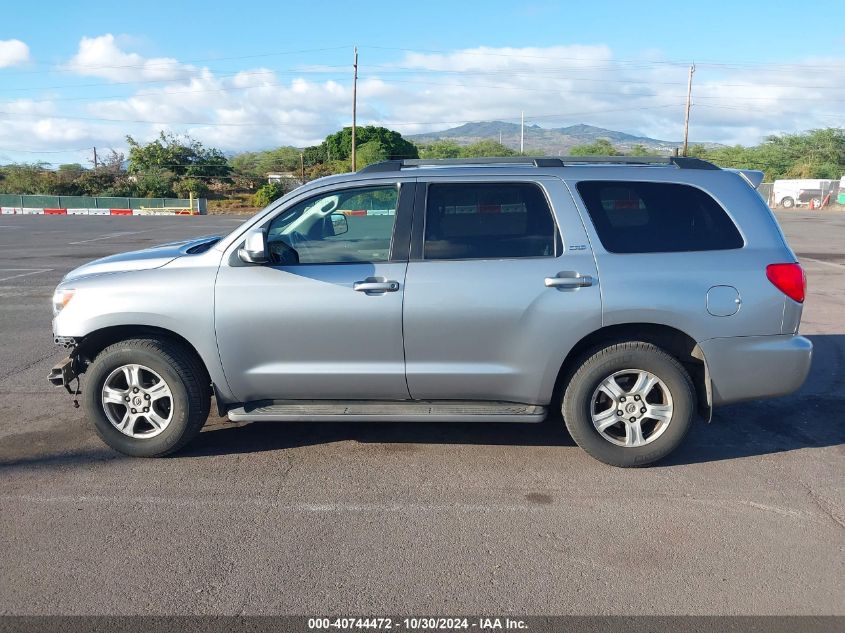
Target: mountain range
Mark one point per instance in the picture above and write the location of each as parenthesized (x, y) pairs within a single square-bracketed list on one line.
[(540, 140)]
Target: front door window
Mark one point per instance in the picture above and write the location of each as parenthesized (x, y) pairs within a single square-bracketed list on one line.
[(350, 225)]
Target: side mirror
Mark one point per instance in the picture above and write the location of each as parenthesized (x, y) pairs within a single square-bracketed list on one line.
[(340, 224), (254, 250)]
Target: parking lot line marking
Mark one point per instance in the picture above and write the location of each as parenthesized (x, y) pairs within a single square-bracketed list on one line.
[(111, 235), (821, 261), (303, 507), (32, 271)]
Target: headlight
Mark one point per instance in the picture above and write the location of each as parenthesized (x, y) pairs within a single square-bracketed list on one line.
[(61, 298)]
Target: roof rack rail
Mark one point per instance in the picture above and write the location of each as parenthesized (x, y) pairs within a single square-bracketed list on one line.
[(395, 165), (681, 162)]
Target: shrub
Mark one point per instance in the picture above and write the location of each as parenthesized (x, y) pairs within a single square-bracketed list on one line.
[(267, 193)]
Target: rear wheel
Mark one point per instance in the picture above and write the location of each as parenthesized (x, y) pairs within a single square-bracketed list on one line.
[(787, 203), (629, 404), (146, 397)]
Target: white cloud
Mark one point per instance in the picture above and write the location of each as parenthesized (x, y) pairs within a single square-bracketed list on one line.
[(484, 58), (13, 53), (102, 57), (418, 92)]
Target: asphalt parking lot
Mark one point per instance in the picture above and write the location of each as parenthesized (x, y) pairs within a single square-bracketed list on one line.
[(747, 518)]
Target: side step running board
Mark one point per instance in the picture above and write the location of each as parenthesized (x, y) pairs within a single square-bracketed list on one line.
[(386, 411)]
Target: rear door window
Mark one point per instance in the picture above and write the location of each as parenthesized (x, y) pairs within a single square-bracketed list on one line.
[(488, 221), (653, 217)]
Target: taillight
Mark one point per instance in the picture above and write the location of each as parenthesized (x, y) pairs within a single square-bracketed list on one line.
[(789, 279)]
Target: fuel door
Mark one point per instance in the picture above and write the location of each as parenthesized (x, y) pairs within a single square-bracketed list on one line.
[(723, 301)]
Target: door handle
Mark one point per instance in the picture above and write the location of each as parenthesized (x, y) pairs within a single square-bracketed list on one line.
[(569, 279), (370, 285)]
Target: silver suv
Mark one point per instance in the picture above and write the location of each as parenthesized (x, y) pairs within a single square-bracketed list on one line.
[(632, 294)]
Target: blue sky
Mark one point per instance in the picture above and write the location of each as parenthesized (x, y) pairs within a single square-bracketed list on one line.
[(251, 75)]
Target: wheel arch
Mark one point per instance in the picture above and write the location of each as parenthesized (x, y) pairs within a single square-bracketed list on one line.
[(89, 346), (95, 342), (675, 342)]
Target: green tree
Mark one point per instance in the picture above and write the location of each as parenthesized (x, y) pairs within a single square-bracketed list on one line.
[(108, 179), (267, 193), (486, 148), (338, 146), (155, 183), (441, 148), (318, 170), (185, 157), (315, 155), (162, 163), (259, 164), (103, 182), (601, 147), (811, 154), (27, 178), (184, 187), (370, 152), (641, 150)]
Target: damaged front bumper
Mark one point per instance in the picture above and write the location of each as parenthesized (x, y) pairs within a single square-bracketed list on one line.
[(68, 370), (64, 372)]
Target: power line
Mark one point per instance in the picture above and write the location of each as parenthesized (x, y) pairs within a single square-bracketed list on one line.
[(733, 98), (714, 63), (46, 151), (711, 86), (276, 123), (333, 71), (549, 73), (188, 76), (169, 61)]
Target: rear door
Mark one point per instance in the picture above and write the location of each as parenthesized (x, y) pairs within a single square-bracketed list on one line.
[(500, 285)]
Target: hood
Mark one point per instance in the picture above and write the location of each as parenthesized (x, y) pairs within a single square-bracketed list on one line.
[(153, 257)]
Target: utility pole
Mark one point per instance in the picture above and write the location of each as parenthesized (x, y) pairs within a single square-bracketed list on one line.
[(302, 167), (95, 158), (686, 115), (522, 134), (354, 105)]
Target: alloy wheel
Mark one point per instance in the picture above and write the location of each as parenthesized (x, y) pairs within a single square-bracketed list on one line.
[(137, 401), (631, 408)]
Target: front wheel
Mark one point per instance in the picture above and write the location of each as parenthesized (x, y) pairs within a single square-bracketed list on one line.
[(787, 203), (629, 404), (146, 397)]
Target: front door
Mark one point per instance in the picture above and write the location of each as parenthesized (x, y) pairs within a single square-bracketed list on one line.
[(322, 320), (500, 286)]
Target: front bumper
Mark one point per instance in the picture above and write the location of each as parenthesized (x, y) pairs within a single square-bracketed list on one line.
[(65, 372), (751, 367)]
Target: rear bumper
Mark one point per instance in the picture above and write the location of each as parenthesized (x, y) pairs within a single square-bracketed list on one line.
[(751, 367)]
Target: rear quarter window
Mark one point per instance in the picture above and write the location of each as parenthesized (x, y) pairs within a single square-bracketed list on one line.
[(655, 217)]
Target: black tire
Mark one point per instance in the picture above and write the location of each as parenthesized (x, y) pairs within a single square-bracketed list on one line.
[(605, 361), (184, 375), (787, 203)]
